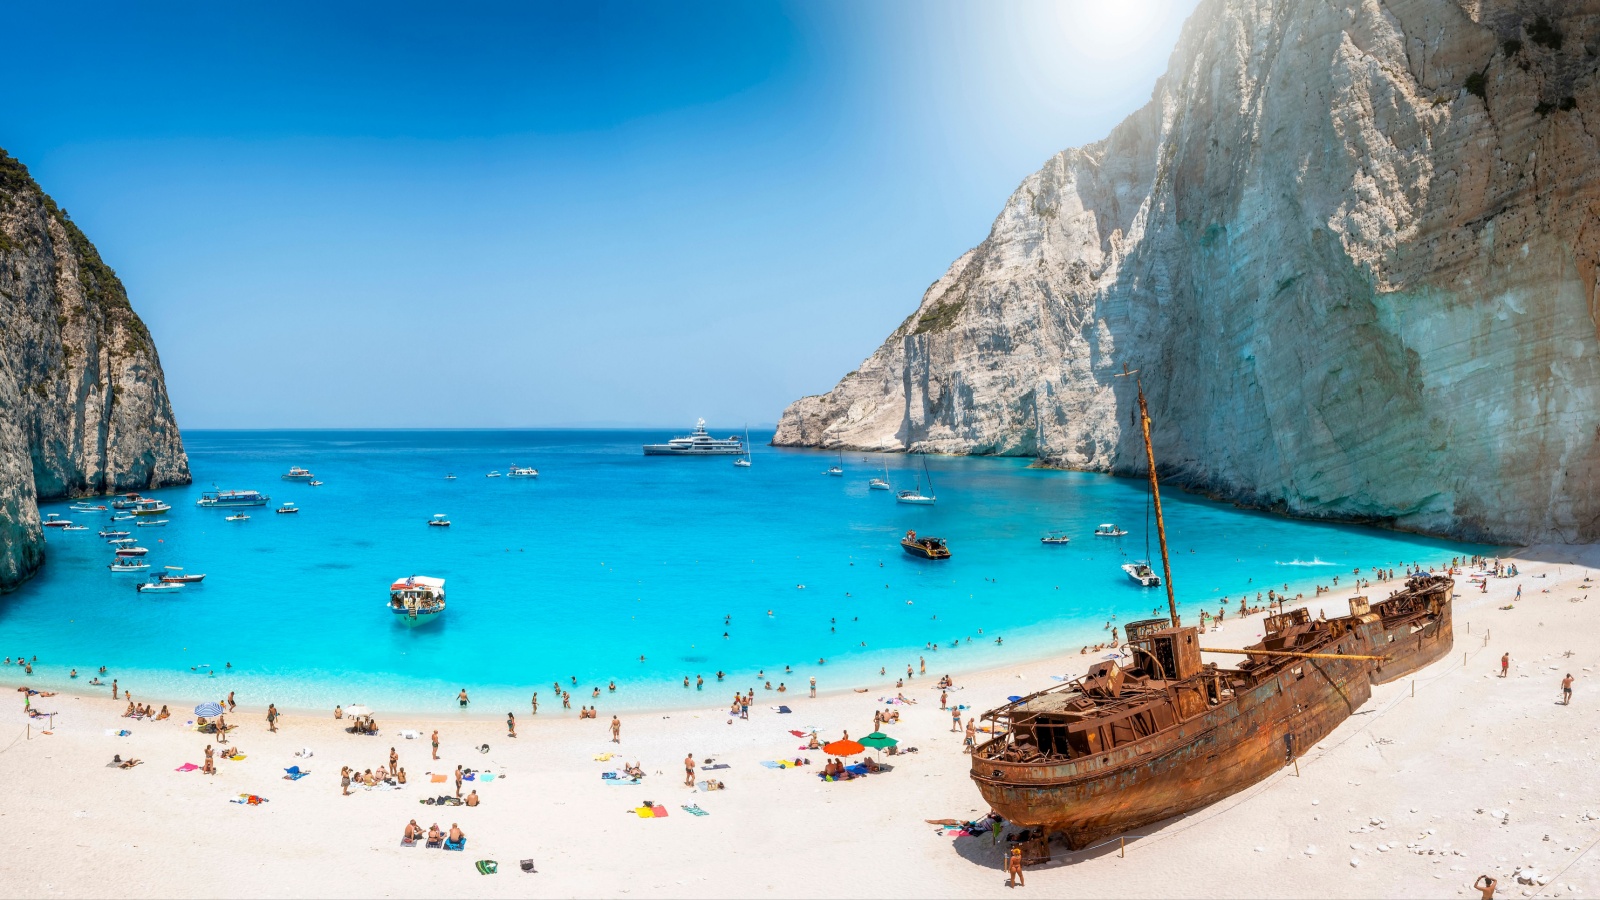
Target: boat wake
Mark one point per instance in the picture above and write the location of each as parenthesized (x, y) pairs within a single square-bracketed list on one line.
[(1313, 561)]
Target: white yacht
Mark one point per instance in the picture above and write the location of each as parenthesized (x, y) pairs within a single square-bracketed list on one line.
[(1141, 572), (522, 472), (228, 500), (1109, 530), (494, 474), (288, 509), (416, 599), (916, 496), (880, 484), (697, 443), (296, 473)]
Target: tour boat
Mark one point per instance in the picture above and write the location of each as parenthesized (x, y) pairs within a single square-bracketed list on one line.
[(84, 507), (697, 443), (231, 499), (522, 472), (122, 540), (237, 517), (126, 501), (288, 509), (1141, 572), (924, 547), (296, 473), (131, 551), (1109, 530), (128, 565), (416, 599), (1055, 537), (150, 507), (494, 474), (162, 585), (153, 523), (114, 534), (438, 521)]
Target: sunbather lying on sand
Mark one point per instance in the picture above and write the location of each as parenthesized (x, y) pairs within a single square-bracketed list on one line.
[(128, 763)]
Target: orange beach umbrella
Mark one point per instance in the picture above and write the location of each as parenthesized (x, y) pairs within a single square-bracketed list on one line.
[(843, 748)]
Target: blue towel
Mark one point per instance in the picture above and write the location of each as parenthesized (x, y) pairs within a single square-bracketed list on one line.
[(771, 764), (1013, 698), (784, 709)]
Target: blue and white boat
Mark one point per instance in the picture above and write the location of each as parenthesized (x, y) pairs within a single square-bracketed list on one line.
[(297, 473), (416, 599), (231, 499)]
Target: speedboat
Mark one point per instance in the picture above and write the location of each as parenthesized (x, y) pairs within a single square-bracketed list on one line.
[(179, 578), (122, 541), (494, 474), (84, 507), (316, 483), (127, 501), (128, 565), (162, 585), (1141, 572), (231, 499), (924, 547), (1109, 530), (416, 599), (522, 472), (76, 528), (131, 551), (450, 478), (153, 523), (296, 473), (149, 507), (438, 521), (697, 443), (114, 534), (287, 509), (1055, 537), (237, 517), (122, 518), (54, 520)]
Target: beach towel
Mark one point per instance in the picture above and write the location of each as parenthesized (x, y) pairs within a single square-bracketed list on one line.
[(249, 800), (784, 709), (293, 773), (772, 764), (470, 776), (695, 810), (490, 776), (235, 756), (715, 767), (623, 781), (660, 812), (604, 757), (488, 867), (644, 812), (411, 735), (186, 767), (438, 779)]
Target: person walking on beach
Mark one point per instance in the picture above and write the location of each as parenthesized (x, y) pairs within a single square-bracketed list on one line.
[(511, 724), (113, 689), (955, 720), (1505, 664), (344, 780), (616, 730), (230, 701), (1566, 690), (535, 703), (394, 760), (1014, 868), (971, 740), (813, 687), (688, 771), (944, 700), (922, 661), (436, 744), (272, 717)]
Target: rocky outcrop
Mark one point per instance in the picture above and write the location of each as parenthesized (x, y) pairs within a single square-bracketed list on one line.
[(1351, 247), (83, 407)]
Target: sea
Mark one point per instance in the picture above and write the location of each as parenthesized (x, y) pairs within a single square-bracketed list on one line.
[(611, 566)]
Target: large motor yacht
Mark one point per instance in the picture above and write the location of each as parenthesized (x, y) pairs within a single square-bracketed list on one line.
[(698, 443)]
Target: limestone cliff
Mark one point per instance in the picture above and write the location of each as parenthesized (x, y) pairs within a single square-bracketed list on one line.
[(1350, 244), (83, 408)]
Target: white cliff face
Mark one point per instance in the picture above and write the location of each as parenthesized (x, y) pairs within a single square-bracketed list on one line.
[(1353, 286), (83, 407)]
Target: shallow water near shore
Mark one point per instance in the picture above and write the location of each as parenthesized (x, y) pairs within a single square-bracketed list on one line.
[(609, 556)]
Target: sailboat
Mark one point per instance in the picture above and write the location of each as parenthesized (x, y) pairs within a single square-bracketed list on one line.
[(915, 496), (880, 484), (743, 462), (837, 469)]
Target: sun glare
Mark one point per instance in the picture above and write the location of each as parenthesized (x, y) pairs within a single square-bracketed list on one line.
[(1112, 29)]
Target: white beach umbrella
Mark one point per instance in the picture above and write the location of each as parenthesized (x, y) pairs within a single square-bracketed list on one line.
[(357, 710)]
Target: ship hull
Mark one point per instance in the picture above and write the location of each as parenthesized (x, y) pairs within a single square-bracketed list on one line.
[(1215, 754), (663, 450), (404, 617)]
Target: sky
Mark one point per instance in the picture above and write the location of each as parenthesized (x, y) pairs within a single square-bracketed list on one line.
[(489, 215)]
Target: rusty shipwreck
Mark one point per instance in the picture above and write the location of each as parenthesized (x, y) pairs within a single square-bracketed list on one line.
[(1164, 733)]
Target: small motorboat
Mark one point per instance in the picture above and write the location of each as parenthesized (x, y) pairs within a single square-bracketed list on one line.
[(237, 517), (1141, 572), (128, 565), (522, 472), (924, 547), (174, 576), (122, 540), (75, 528), (316, 483), (1055, 537), (297, 473), (450, 477), (115, 534), (131, 551), (439, 521), (54, 520), (494, 474), (122, 518), (152, 523), (162, 585), (84, 507), (287, 509), (1109, 530)]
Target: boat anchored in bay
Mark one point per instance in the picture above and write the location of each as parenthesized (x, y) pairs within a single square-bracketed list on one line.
[(416, 599), (924, 547), (697, 443)]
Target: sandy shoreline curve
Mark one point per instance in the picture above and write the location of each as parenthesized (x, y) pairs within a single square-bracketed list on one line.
[(1405, 772)]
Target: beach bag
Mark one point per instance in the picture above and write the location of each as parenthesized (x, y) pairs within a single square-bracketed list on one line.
[(527, 866), (488, 866)]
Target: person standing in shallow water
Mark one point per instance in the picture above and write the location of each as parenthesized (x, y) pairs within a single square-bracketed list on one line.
[(272, 717), (511, 724), (462, 698)]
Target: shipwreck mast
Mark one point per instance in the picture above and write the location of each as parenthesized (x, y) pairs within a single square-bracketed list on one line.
[(1155, 494)]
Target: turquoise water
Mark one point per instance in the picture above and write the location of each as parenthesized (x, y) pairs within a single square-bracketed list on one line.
[(610, 555)]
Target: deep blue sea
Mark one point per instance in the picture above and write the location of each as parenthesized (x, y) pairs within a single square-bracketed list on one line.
[(610, 555)]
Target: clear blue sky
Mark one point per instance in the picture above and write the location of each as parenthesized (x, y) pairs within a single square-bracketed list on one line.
[(523, 214)]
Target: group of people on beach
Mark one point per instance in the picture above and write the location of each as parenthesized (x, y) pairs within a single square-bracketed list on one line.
[(145, 711)]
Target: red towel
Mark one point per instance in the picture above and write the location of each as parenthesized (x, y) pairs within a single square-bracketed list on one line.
[(660, 812), (798, 733)]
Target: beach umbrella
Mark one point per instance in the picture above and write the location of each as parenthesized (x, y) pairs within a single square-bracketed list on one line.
[(208, 710), (878, 741), (357, 710), (843, 748)]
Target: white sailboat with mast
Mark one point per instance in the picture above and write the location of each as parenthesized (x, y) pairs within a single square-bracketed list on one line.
[(915, 496), (744, 461)]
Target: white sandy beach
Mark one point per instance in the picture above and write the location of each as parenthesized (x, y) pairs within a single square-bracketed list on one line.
[(1426, 776)]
